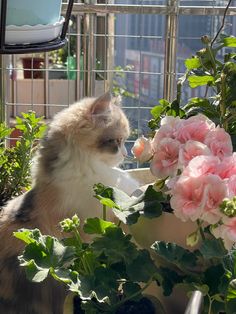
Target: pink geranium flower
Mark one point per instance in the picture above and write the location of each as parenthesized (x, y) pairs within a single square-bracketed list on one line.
[(187, 198), (142, 149), (195, 128), (226, 231), (227, 167), (215, 190), (168, 129), (202, 165), (231, 183), (190, 150), (165, 159), (219, 142)]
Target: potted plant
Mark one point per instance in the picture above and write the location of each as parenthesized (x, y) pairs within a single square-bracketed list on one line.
[(104, 273), (33, 12), (15, 159), (192, 157)]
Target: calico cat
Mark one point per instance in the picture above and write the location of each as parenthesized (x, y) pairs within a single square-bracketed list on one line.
[(82, 146)]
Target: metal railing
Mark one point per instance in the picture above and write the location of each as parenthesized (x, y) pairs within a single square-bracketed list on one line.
[(109, 36)]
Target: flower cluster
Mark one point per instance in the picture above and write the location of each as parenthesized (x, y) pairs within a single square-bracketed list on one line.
[(196, 159)]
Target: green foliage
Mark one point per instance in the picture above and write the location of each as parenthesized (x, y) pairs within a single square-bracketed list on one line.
[(128, 209), (105, 273), (214, 70), (15, 161)]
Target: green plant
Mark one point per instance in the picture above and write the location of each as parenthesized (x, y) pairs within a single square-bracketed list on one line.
[(106, 273), (15, 161), (212, 67)]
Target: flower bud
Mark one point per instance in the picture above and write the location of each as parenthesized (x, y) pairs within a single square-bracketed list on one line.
[(142, 149), (205, 39)]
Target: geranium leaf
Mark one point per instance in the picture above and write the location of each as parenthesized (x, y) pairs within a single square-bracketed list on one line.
[(192, 63), (115, 245), (35, 273), (130, 208), (96, 225), (229, 41), (211, 248), (175, 254), (200, 80), (132, 288), (136, 270), (170, 278)]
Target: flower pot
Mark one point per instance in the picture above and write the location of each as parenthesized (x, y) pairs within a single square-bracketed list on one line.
[(32, 67), (167, 228), (32, 12)]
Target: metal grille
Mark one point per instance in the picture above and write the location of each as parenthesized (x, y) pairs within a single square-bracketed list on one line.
[(133, 47)]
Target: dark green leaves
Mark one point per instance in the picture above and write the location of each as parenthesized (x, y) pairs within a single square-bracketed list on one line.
[(130, 208), (43, 254), (115, 245), (175, 254), (136, 269), (211, 248)]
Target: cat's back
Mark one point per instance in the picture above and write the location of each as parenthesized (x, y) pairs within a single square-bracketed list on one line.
[(17, 294)]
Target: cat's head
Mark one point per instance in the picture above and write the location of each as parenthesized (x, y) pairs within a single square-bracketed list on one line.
[(97, 126)]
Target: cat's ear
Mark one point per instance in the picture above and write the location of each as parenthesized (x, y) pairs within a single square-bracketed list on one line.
[(101, 104)]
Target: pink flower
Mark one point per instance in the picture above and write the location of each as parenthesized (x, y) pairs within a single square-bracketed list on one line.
[(227, 167), (168, 128), (142, 149), (195, 128), (202, 165), (232, 186), (226, 231), (219, 142), (190, 150), (187, 198), (215, 190), (165, 159)]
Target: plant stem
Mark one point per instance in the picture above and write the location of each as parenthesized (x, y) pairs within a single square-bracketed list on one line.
[(223, 122), (78, 238), (134, 294), (210, 304), (200, 230), (104, 212), (222, 24)]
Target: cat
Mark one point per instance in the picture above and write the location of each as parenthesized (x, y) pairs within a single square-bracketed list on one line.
[(83, 145)]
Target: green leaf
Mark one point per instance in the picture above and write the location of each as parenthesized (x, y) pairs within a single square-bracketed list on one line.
[(175, 254), (97, 226), (229, 41), (170, 278), (131, 288), (195, 81), (192, 63), (35, 273), (212, 248), (107, 202), (231, 290), (130, 208), (213, 276), (142, 268), (157, 111), (115, 245), (26, 235)]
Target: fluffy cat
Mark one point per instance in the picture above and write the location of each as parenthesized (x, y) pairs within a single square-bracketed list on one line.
[(82, 146)]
